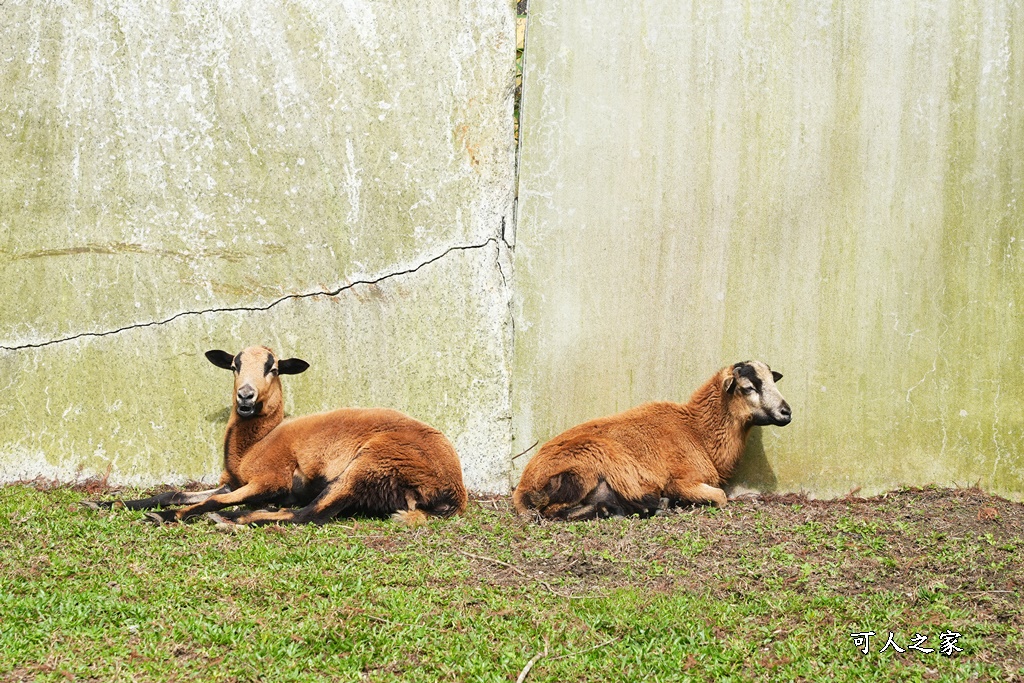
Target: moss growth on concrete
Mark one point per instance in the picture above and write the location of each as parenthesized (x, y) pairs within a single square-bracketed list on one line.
[(834, 190), (144, 405), (185, 162), (208, 157)]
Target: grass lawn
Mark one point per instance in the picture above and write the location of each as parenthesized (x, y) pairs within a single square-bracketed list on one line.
[(768, 589)]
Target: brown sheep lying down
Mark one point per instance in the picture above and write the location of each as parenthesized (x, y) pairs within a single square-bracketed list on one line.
[(369, 461), (625, 464)]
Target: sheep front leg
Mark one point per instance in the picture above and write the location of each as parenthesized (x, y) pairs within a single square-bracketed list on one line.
[(159, 500), (253, 492)]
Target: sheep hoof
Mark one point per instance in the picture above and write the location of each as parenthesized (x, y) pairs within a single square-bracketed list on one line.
[(224, 524), (529, 517), (410, 518), (154, 518)]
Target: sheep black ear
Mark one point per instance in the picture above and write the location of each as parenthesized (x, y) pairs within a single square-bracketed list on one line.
[(730, 384), (222, 359), (291, 366), (776, 375)]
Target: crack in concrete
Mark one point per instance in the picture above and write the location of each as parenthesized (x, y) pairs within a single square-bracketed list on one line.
[(266, 307), (504, 232)]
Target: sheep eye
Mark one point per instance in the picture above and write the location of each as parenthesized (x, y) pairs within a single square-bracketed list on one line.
[(748, 390)]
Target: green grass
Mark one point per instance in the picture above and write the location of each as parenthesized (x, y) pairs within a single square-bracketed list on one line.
[(101, 596)]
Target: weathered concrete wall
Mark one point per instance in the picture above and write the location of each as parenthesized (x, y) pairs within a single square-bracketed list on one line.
[(835, 188), (171, 173)]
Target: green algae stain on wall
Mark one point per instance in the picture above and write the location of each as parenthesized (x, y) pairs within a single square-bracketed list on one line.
[(144, 406), (210, 154), (831, 188), (981, 251), (174, 175)]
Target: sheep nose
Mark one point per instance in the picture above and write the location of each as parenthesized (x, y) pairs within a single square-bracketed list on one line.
[(246, 394)]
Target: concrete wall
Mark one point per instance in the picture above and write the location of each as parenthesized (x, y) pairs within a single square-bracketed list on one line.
[(832, 187), (177, 176), (835, 188)]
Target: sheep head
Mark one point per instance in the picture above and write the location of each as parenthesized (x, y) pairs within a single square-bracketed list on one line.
[(751, 395), (257, 381)]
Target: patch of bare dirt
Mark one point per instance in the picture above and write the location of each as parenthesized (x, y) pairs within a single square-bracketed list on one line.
[(917, 542)]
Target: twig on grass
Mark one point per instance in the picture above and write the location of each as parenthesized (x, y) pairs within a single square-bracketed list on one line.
[(514, 568), (519, 571), (569, 597), (539, 655), (363, 613), (529, 665), (382, 620), (589, 649)]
